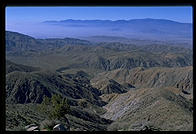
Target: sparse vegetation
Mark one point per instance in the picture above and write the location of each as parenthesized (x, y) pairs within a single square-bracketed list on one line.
[(101, 86), (56, 107)]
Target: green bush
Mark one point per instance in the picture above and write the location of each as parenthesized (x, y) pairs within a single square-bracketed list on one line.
[(45, 106), (55, 107), (46, 100), (56, 99), (60, 109)]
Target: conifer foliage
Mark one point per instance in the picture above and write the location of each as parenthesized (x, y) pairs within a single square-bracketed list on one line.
[(56, 107)]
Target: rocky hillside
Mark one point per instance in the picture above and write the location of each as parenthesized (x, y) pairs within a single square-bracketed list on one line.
[(108, 86), (30, 87), (20, 115), (19, 42), (23, 45), (181, 78), (157, 108), (81, 54), (25, 90), (11, 67)]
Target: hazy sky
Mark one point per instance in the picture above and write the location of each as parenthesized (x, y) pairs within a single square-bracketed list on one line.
[(37, 14), (27, 20)]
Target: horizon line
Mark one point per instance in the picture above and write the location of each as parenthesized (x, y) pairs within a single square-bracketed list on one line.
[(116, 20)]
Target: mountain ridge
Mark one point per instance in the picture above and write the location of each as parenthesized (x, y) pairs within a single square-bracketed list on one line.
[(120, 20), (158, 29)]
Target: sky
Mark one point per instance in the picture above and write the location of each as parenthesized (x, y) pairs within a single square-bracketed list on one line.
[(38, 14), (28, 20)]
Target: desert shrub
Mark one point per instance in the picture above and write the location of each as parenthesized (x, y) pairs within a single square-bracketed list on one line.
[(56, 99), (55, 107), (46, 100), (47, 124), (83, 103), (45, 106), (60, 109)]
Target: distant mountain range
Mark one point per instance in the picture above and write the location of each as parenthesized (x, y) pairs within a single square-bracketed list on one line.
[(157, 29), (140, 29)]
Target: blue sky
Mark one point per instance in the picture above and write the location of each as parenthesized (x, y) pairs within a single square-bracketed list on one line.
[(38, 14), (27, 20)]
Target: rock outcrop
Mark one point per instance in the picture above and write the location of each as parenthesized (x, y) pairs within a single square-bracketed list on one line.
[(59, 127), (32, 127)]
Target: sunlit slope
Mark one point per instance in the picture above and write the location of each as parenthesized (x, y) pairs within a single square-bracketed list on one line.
[(155, 108)]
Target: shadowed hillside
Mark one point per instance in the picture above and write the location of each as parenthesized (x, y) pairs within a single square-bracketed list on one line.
[(11, 67), (22, 87), (26, 90)]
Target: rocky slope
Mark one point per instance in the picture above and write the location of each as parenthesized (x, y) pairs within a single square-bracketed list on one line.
[(108, 86), (158, 108), (30, 87), (81, 54), (25, 89), (11, 67), (16, 42), (181, 78), (20, 115), (138, 87)]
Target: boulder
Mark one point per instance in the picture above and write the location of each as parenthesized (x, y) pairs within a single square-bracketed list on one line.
[(34, 128), (59, 127), (31, 125)]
